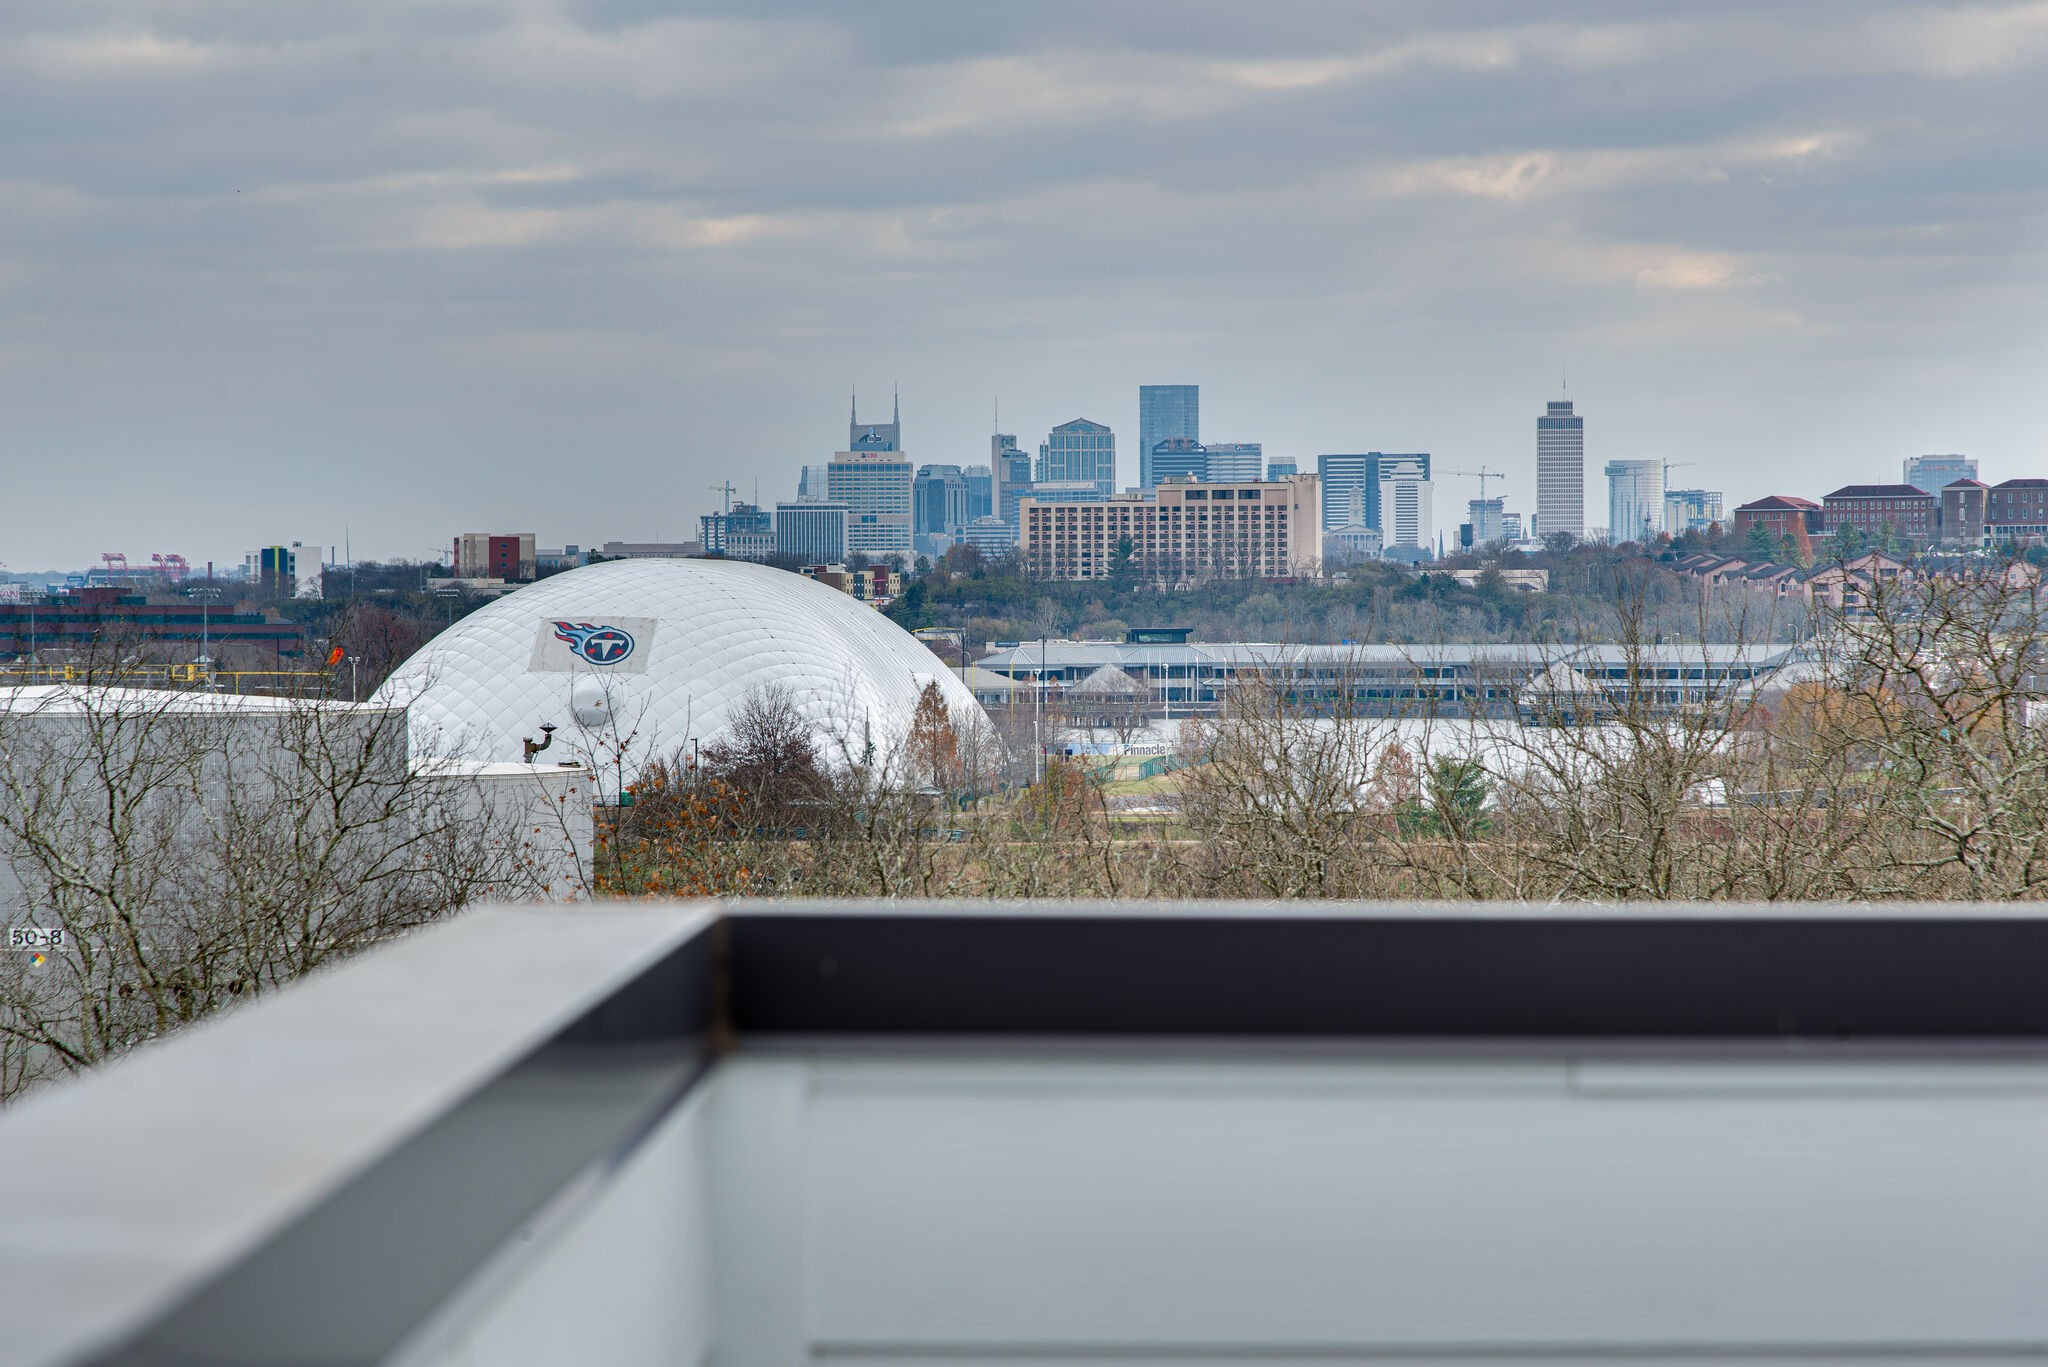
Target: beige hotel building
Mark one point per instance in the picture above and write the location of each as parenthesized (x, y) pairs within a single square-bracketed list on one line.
[(1186, 533)]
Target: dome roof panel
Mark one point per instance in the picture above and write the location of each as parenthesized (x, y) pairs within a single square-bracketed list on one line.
[(675, 645)]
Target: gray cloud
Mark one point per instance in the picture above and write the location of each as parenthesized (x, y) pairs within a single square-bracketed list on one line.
[(408, 269)]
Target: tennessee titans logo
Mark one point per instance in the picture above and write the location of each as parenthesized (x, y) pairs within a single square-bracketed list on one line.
[(599, 645)]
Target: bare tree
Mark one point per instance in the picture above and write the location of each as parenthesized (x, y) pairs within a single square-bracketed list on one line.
[(189, 849)]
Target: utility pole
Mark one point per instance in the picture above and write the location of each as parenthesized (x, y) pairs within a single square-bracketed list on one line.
[(206, 596)]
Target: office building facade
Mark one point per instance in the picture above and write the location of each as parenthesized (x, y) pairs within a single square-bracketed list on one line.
[(938, 496), (992, 536), (812, 531), (1483, 515), (1932, 474), (1165, 412), (1341, 473), (745, 533), (1178, 458), (1186, 533), (1078, 452), (875, 486), (1011, 471), (1691, 510), (1235, 461), (1405, 493), (1635, 500), (981, 491), (1560, 471)]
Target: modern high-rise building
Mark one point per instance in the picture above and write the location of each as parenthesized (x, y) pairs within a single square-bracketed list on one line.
[(875, 487), (810, 482), (938, 497), (1177, 458), (1079, 452), (981, 491), (1165, 411), (1932, 474), (1235, 460), (745, 533), (1405, 495), (1691, 510), (1635, 500), (1484, 515), (1012, 473), (1341, 473), (1560, 471), (1279, 468), (812, 531)]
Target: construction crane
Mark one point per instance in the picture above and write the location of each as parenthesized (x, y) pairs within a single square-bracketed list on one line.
[(1669, 466), (1482, 474), (728, 490)]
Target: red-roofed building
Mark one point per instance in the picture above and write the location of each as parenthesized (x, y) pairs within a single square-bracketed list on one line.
[(1784, 515), (1870, 508)]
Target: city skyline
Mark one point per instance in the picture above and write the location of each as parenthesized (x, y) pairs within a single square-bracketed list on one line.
[(568, 264)]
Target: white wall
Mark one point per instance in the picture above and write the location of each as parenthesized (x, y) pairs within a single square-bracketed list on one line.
[(911, 1209)]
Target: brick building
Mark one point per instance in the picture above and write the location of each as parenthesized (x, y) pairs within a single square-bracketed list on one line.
[(496, 555), (1963, 506), (1189, 533), (1870, 508), (2016, 512), (1783, 515)]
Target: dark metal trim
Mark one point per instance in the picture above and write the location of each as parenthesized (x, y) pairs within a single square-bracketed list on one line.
[(1620, 974)]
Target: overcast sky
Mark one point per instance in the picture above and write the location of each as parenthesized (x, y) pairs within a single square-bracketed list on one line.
[(411, 267)]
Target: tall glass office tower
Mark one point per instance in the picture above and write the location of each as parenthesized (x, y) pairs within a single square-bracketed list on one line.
[(1165, 411), (1079, 452), (1560, 471)]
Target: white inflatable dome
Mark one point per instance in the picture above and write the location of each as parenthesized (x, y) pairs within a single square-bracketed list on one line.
[(652, 656)]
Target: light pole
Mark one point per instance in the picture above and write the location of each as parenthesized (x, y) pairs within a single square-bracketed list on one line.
[(206, 597)]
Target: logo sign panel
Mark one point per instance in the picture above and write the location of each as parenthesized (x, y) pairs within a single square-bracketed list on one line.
[(592, 644)]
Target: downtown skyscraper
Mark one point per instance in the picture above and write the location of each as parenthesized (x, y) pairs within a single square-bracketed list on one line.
[(1560, 471), (1165, 411)]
